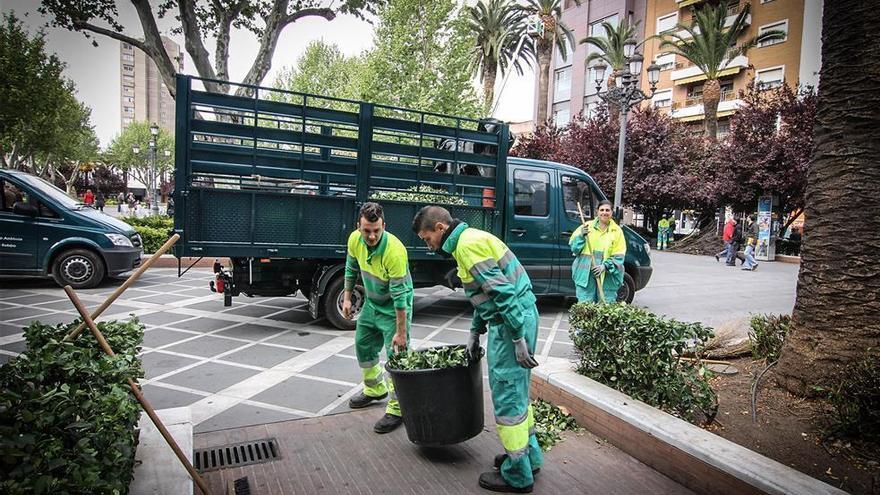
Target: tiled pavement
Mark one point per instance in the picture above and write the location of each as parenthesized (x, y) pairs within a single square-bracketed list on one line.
[(262, 360)]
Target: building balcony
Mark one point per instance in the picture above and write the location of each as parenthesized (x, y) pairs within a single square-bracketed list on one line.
[(691, 108), (686, 3), (686, 72)]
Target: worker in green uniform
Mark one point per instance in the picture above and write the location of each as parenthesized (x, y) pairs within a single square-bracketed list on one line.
[(662, 232), (600, 248), (501, 293), (380, 259)]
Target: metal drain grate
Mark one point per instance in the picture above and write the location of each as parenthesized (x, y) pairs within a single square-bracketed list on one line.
[(239, 454)]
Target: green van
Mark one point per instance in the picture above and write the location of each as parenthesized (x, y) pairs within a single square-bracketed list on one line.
[(44, 232)]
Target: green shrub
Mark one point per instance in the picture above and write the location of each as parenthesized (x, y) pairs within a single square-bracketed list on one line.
[(152, 238), (433, 358), (767, 335), (856, 399), (68, 421), (550, 422), (153, 221), (420, 194), (634, 351)]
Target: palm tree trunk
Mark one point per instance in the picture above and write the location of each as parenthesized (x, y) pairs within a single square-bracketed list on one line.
[(545, 50), (711, 97), (490, 72), (835, 318)]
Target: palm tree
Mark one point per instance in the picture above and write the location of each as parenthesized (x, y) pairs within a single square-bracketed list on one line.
[(835, 313), (711, 47), (611, 46), (555, 33), (499, 26)]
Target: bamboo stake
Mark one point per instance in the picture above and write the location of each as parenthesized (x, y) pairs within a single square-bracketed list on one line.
[(90, 323), (599, 280), (131, 279), (709, 361)]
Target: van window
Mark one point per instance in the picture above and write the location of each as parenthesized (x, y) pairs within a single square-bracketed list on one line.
[(576, 191), (12, 194), (530, 193)]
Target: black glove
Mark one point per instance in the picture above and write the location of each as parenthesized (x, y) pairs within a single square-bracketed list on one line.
[(523, 356), (473, 346)]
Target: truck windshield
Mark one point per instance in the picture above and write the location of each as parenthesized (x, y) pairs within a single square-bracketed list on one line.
[(53, 192)]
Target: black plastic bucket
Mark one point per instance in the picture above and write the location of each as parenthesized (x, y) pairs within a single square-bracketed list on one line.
[(440, 406)]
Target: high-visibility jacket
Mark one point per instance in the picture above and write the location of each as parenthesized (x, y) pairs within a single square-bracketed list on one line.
[(609, 248), (493, 278), (384, 271), (663, 223)]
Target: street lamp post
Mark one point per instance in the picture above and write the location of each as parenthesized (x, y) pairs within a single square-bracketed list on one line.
[(625, 95), (154, 133)]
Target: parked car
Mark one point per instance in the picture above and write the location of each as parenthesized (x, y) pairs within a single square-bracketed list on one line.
[(46, 233)]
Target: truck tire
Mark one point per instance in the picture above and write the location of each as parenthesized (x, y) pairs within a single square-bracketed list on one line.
[(78, 268), (627, 290), (333, 304)]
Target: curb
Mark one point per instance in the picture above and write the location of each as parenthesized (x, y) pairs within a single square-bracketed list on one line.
[(784, 258), (696, 458), (159, 471), (170, 261)]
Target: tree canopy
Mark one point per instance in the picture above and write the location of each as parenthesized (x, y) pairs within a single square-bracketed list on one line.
[(121, 156)]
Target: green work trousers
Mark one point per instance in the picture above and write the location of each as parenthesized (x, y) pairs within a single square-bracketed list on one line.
[(375, 330)]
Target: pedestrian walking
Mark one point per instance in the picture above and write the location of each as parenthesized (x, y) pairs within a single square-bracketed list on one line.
[(504, 307), (662, 232), (132, 203), (600, 248), (99, 201), (751, 241), (380, 259), (89, 197), (728, 252), (120, 202)]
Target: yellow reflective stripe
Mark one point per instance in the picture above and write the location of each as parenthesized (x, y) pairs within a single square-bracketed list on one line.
[(374, 380), (514, 438)]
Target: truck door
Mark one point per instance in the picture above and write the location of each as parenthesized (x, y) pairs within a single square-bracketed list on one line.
[(574, 190), (531, 226), (18, 233)]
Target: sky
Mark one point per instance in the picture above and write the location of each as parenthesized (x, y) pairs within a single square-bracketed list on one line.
[(95, 71)]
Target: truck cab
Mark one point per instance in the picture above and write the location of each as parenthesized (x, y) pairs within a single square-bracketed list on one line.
[(44, 232)]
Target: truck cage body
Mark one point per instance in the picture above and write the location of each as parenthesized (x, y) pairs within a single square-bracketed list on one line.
[(280, 174)]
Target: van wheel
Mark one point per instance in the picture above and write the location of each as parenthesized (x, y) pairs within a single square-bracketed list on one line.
[(627, 290), (333, 304), (78, 268)]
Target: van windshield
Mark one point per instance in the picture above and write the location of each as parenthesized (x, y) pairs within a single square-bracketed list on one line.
[(50, 190)]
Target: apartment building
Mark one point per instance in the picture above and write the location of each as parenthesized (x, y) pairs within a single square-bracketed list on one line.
[(792, 60), (572, 88), (143, 94)]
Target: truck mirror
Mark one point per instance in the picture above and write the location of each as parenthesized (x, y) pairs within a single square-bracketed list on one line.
[(26, 209)]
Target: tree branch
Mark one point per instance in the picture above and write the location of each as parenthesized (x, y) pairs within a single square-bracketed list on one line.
[(154, 46), (326, 13), (194, 45), (82, 25)]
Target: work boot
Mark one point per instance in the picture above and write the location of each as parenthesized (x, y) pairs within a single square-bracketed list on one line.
[(717, 258), (387, 423), (500, 458), (363, 400), (493, 481)]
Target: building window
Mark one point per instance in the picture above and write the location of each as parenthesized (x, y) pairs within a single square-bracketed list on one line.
[(561, 61), (770, 78), (667, 22), (128, 109), (128, 57), (776, 26), (562, 85), (561, 117), (126, 46), (128, 68), (591, 105), (662, 99), (666, 61), (128, 99), (723, 128), (597, 30), (128, 79)]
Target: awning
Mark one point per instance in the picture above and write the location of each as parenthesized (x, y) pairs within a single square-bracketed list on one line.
[(685, 3), (700, 77), (694, 118)]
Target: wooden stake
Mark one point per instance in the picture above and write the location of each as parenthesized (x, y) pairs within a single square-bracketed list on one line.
[(90, 323), (131, 279), (709, 361)]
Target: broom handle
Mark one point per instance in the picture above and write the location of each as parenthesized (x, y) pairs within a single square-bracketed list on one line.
[(600, 280)]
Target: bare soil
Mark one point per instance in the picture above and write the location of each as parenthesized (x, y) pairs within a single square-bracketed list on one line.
[(789, 429)]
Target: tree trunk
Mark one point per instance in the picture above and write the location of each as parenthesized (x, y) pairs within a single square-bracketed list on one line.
[(490, 72), (835, 318), (711, 97), (545, 51)]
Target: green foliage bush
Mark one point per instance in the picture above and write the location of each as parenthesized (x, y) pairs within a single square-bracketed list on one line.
[(767, 335), (550, 422), (68, 421), (420, 194), (856, 399), (635, 351), (154, 230), (433, 358)]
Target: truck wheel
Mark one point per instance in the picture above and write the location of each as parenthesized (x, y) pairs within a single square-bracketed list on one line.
[(333, 304), (78, 268), (627, 290)]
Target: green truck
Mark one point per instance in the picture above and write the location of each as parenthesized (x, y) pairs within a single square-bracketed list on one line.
[(272, 181)]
